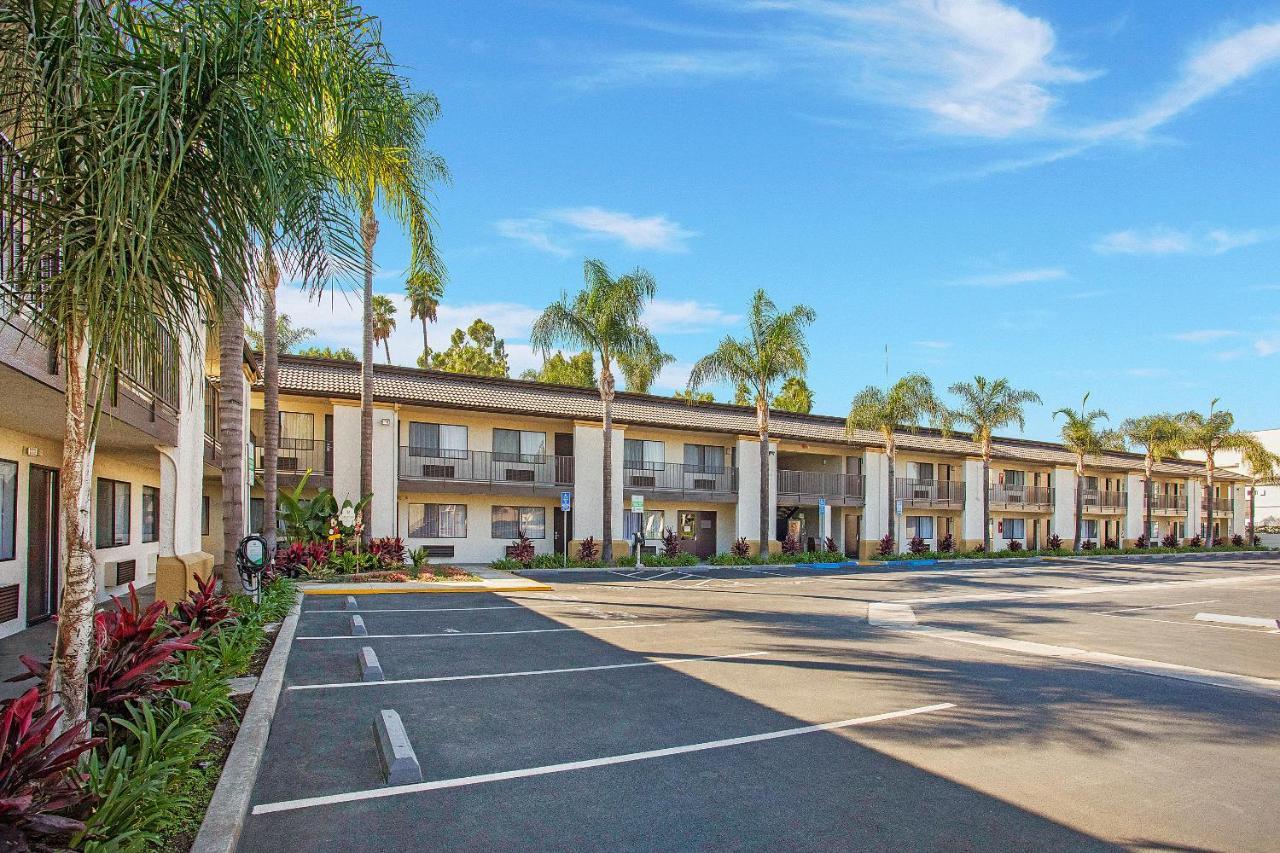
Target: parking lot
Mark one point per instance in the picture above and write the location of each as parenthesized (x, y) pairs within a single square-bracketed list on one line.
[(1070, 705)]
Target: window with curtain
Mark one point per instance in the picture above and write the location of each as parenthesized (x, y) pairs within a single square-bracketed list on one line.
[(113, 514), (150, 514), (515, 445), (654, 524), (438, 521), (1089, 528), (508, 522), (297, 429), (704, 457), (1015, 528), (1014, 479), (8, 508), (447, 441), (638, 453), (920, 525)]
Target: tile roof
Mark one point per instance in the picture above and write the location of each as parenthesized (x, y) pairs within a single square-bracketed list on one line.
[(412, 386)]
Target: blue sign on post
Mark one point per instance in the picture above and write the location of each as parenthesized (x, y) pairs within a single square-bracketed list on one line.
[(822, 505), (566, 501)]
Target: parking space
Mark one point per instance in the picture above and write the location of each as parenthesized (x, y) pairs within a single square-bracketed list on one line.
[(744, 709)]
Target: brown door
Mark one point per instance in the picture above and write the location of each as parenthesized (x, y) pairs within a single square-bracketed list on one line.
[(564, 460), (562, 527), (42, 544), (697, 532)]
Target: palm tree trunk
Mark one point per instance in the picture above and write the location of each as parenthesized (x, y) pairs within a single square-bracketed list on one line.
[(762, 423), (369, 236), (606, 418), (73, 647), (1079, 501), (986, 502), (386, 348), (270, 399), (426, 347), (231, 431)]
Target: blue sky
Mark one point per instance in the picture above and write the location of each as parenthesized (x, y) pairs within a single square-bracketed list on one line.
[(1078, 196)]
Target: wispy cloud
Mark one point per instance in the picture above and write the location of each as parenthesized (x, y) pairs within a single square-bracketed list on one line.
[(934, 345), (1013, 278), (686, 316), (1162, 240), (674, 67), (1199, 336), (558, 232), (1267, 346)]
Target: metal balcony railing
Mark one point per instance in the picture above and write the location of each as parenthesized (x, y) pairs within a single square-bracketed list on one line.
[(1034, 496), (1168, 503), (1220, 505), (482, 466), (916, 492), (297, 455), (1105, 499), (822, 484), (674, 477)]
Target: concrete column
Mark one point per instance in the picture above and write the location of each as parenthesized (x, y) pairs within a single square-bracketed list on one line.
[(381, 512), (971, 521), (1064, 505), (588, 485), (182, 466), (747, 454), (876, 521), (1135, 514), (1195, 493), (1240, 511)]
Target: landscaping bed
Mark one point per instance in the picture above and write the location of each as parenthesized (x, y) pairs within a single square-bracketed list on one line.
[(432, 574), (1056, 552)]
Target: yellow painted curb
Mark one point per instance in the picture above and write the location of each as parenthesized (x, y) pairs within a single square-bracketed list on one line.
[(362, 589)]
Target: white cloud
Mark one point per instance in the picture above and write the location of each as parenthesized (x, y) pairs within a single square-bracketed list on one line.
[(1162, 240), (677, 67), (561, 232), (1199, 336), (1267, 346), (933, 344), (1013, 277), (1146, 372), (673, 377), (675, 316)]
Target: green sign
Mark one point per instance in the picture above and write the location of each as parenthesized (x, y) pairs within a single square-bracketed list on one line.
[(637, 503)]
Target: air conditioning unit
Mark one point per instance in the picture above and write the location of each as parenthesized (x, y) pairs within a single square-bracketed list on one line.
[(120, 572)]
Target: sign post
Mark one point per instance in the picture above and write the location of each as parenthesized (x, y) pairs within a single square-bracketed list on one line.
[(822, 519), (637, 506), (566, 504)]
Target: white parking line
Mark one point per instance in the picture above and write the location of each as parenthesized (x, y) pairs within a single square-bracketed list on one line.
[(482, 633), (483, 778), (1064, 592), (1182, 624), (1156, 607), (487, 675), (417, 609)]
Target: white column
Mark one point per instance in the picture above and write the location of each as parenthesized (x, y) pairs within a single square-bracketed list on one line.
[(588, 482), (747, 454), (1134, 516), (1240, 511), (381, 513), (971, 521), (1064, 504), (182, 466), (1195, 492), (876, 522)]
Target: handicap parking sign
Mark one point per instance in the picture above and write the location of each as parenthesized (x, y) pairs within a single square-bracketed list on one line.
[(566, 501)]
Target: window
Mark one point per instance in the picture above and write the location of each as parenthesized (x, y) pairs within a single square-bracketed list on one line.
[(1015, 479), (150, 514), (1015, 528), (297, 429), (447, 441), (8, 507), (919, 470), (113, 513), (256, 511), (1089, 529), (704, 457), (204, 515), (920, 525), (514, 445), (638, 453), (654, 524), (438, 521), (1091, 484), (510, 521)]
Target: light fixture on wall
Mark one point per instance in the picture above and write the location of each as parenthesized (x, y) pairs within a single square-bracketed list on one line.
[(31, 451), (385, 421)]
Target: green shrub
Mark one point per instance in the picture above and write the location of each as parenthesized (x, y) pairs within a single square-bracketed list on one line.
[(506, 564), (680, 558)]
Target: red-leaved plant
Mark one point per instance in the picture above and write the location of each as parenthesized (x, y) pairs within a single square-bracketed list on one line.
[(1195, 541), (203, 609), (132, 648), (917, 545), (1237, 540), (1169, 541), (829, 545), (670, 544), (588, 550), (1055, 542), (886, 545), (1014, 544), (388, 550), (947, 544), (791, 545), (741, 548), (38, 775), (296, 558), (522, 549)]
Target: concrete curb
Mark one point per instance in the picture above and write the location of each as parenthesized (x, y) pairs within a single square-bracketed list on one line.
[(224, 820), (522, 585)]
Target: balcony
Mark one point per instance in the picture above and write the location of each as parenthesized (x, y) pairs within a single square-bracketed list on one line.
[(1221, 506), (1105, 501), (433, 469), (696, 482), (837, 489), (1168, 504), (942, 494), (296, 456), (1035, 498)]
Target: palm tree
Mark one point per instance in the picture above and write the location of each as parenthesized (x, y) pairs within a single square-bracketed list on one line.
[(384, 322), (987, 405), (603, 318), (906, 403), (380, 159), (424, 292), (1263, 468), (1158, 435), (795, 396), (1081, 435), (1208, 434), (774, 351), (288, 336), (641, 369), (152, 232)]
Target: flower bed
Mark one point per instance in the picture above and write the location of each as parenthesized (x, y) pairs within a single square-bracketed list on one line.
[(431, 574), (1059, 552), (161, 721)]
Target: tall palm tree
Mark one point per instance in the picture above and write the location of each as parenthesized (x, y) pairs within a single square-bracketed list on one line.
[(380, 158), (1082, 436), (152, 232), (1263, 469), (987, 405), (603, 318), (1158, 435), (384, 322), (795, 396), (641, 369), (424, 291), (1208, 434), (774, 350), (904, 405)]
